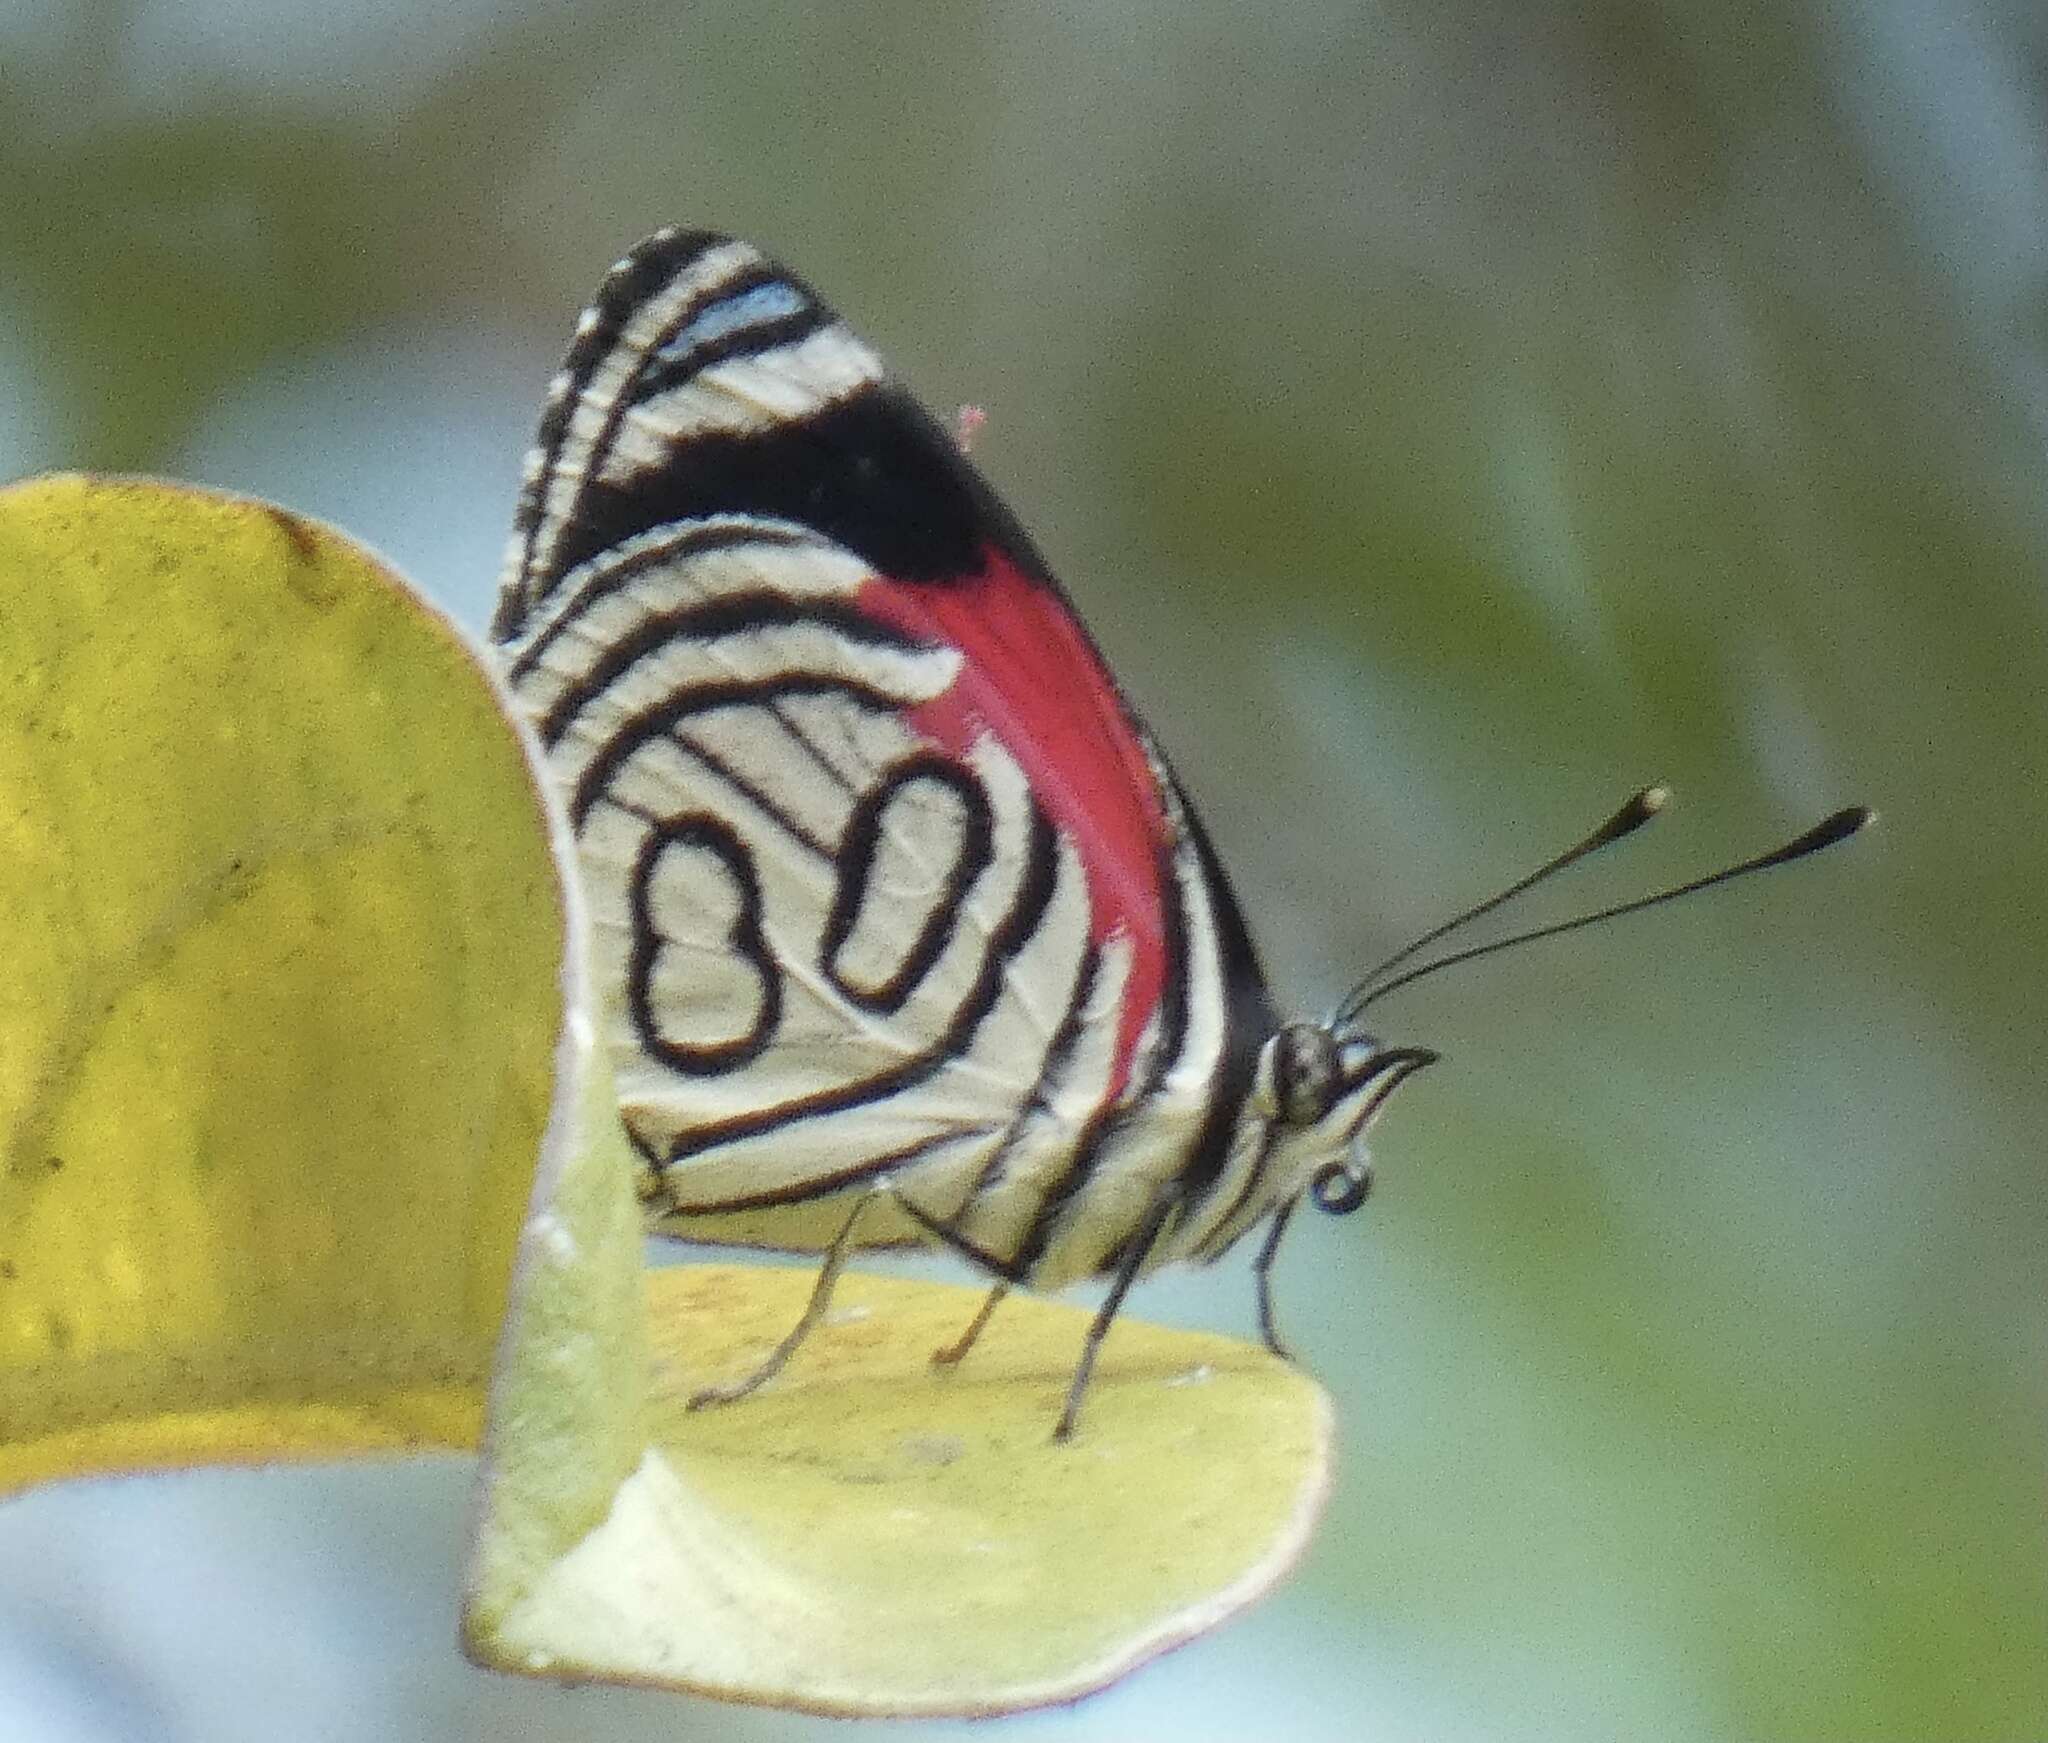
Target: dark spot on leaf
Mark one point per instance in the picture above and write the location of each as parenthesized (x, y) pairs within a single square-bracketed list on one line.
[(304, 575), (297, 534)]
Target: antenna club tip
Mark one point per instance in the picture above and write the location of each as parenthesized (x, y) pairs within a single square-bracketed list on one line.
[(1850, 820), (1654, 799)]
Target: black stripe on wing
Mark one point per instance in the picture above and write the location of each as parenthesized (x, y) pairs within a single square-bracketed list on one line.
[(633, 734), (735, 614), (627, 288), (1108, 1121), (768, 804), (817, 1186), (621, 575), (1247, 1020), (668, 368), (873, 472), (1058, 1057)]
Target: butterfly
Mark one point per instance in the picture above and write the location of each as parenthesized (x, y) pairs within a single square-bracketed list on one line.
[(910, 930)]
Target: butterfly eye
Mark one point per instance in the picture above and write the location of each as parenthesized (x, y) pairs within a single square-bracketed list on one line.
[(1304, 1072)]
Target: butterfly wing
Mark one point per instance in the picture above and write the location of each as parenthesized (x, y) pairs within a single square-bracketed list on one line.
[(886, 877)]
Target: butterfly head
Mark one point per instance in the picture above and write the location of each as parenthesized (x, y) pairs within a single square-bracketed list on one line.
[(1322, 1084)]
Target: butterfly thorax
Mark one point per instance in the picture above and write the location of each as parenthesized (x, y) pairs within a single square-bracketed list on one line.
[(1302, 1132)]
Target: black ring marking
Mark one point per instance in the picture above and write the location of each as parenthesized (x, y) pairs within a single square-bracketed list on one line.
[(745, 937), (857, 850)]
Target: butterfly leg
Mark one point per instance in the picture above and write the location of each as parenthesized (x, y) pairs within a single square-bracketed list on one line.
[(1126, 1274), (956, 1351), (814, 1311), (1262, 1272)]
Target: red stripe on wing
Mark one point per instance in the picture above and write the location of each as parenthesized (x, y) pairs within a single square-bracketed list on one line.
[(1033, 679)]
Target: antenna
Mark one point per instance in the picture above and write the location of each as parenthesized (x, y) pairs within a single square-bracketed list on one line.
[(1829, 830), (1638, 810)]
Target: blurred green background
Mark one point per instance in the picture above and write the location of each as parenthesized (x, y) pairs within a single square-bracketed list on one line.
[(1449, 416)]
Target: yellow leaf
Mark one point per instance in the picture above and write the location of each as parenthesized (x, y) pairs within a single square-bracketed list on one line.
[(279, 1003), (293, 999), (866, 1536)]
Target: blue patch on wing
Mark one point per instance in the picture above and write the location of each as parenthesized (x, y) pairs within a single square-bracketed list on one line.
[(751, 308)]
